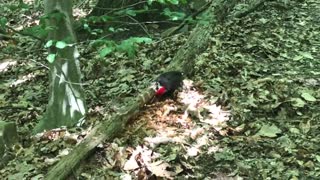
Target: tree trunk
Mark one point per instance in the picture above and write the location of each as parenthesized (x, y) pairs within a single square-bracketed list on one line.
[(115, 125), (66, 103)]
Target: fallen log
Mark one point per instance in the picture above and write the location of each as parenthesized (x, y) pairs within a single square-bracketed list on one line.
[(112, 127), (199, 38), (107, 130)]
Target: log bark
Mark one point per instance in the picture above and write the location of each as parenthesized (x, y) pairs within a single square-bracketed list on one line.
[(251, 9), (115, 125), (105, 131), (198, 40)]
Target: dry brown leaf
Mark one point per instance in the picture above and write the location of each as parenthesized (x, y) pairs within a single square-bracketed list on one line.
[(159, 169)]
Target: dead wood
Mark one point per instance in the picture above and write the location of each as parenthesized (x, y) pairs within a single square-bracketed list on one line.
[(115, 125)]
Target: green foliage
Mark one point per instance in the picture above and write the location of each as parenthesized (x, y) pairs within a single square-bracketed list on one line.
[(131, 12), (297, 102), (175, 2), (3, 22), (128, 46), (174, 16), (14, 6), (56, 15), (51, 58), (269, 131), (224, 155), (58, 44), (268, 74), (49, 44), (106, 25), (106, 51), (99, 19), (61, 44), (308, 97), (23, 5), (38, 30)]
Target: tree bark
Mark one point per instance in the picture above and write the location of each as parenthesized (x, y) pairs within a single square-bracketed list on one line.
[(115, 125), (198, 40), (105, 131), (66, 103)]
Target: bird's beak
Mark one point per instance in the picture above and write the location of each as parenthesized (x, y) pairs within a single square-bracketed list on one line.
[(155, 86)]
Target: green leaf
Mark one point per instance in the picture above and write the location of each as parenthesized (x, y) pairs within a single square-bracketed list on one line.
[(51, 58), (306, 55), (106, 51), (38, 30), (23, 5), (141, 40), (294, 130), (61, 44), (314, 72), (131, 12), (297, 58), (297, 102), (305, 127), (161, 1), (308, 97), (48, 44), (284, 55), (3, 22), (318, 158), (86, 26), (263, 20), (174, 16), (147, 64), (286, 142), (129, 46), (225, 154), (269, 131), (149, 2), (175, 2), (111, 29)]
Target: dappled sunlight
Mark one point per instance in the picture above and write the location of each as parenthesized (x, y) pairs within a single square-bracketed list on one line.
[(6, 64), (23, 79), (198, 105), (61, 140), (79, 13), (217, 117), (30, 2), (186, 128), (252, 111)]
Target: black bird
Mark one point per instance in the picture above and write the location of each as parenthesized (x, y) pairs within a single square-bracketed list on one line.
[(168, 82)]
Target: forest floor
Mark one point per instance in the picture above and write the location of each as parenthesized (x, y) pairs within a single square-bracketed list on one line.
[(251, 110)]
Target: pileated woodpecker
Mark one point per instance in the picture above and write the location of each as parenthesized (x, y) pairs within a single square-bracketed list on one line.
[(168, 82)]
